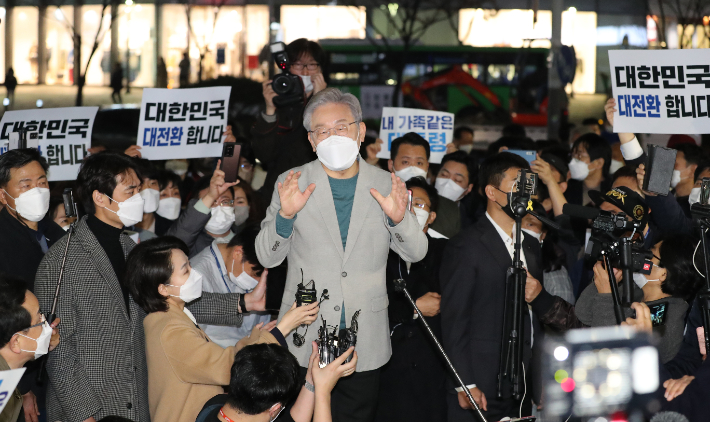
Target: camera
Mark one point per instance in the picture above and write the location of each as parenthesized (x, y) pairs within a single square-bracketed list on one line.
[(607, 229), (599, 371), (288, 87), (332, 346)]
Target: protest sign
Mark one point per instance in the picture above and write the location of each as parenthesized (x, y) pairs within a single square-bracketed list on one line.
[(661, 91), (8, 383), (437, 127), (64, 135), (183, 123)]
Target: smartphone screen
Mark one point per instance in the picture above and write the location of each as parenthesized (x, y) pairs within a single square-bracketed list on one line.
[(410, 207), (230, 160), (658, 313), (529, 156)]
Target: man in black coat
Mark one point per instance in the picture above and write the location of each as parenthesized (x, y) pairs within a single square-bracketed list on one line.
[(412, 382), (473, 299), (26, 233)]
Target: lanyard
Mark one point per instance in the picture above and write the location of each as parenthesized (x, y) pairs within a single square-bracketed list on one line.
[(219, 267)]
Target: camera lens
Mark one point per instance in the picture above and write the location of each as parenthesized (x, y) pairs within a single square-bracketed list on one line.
[(281, 85)]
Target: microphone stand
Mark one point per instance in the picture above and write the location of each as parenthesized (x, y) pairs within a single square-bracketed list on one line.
[(701, 213), (400, 286)]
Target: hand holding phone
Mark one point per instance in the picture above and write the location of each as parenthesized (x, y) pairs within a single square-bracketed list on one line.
[(231, 153)]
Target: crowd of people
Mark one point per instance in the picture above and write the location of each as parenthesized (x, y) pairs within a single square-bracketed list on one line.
[(178, 292)]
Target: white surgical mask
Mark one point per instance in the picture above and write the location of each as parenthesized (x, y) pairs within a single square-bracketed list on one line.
[(422, 216), (536, 235), (694, 196), (466, 148), (307, 83), (130, 211), (615, 165), (244, 281), (169, 208), (221, 220), (448, 188), (42, 341), (241, 214), (66, 228), (641, 280), (579, 170), (409, 172), (32, 205), (337, 152), (150, 200), (176, 166), (675, 179), (192, 289)]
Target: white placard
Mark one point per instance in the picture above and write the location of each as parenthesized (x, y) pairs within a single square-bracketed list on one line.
[(437, 127), (183, 123), (661, 91), (8, 383), (64, 135)]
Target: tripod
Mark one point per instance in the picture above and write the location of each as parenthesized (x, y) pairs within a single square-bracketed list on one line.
[(511, 359)]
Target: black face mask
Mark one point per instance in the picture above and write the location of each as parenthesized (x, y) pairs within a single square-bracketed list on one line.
[(506, 208)]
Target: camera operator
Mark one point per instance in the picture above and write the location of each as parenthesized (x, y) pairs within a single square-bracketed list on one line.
[(473, 284), (24, 336), (280, 141), (412, 382), (673, 279)]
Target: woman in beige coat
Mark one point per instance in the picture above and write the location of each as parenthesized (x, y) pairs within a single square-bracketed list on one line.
[(185, 368)]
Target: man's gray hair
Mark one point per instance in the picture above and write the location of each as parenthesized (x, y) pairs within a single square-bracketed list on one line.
[(331, 96)]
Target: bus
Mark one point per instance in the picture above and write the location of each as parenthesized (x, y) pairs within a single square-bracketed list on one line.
[(481, 85)]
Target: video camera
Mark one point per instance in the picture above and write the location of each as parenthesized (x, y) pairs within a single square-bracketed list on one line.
[(330, 346), (598, 372), (288, 87), (607, 230)]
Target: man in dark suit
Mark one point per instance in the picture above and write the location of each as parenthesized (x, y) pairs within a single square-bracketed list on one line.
[(412, 382), (454, 182), (473, 297)]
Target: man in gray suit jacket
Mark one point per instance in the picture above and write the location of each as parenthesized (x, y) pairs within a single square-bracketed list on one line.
[(99, 368), (340, 239)]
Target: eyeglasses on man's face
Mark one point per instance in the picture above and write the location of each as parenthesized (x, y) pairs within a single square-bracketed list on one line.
[(309, 66), (322, 133)]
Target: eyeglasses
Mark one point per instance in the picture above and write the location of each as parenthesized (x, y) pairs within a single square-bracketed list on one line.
[(246, 166), (42, 320), (341, 130), (300, 66), (422, 205), (224, 203)]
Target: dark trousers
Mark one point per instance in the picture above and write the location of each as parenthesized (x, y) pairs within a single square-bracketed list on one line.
[(354, 398)]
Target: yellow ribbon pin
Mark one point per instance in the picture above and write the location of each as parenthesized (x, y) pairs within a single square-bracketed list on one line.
[(530, 208)]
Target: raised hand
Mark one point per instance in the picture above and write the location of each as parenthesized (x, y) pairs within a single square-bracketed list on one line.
[(297, 316), (229, 135), (325, 378), (133, 151), (372, 150), (543, 170), (269, 94), (395, 204), (610, 109), (217, 186), (291, 197), (642, 322), (318, 83), (256, 299)]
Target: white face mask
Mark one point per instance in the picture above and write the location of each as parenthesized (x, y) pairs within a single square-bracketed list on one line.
[(337, 152), (409, 172), (615, 165), (32, 205), (448, 189), (42, 341), (221, 220), (307, 83), (241, 214), (422, 217), (150, 200), (192, 289), (66, 228), (641, 280), (130, 211), (694, 196), (169, 208), (177, 167), (466, 148), (536, 235), (244, 281), (675, 179), (579, 170)]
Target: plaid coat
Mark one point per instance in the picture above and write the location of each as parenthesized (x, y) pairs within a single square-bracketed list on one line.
[(99, 367)]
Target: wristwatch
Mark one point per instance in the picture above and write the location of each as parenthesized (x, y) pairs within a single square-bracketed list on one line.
[(242, 303)]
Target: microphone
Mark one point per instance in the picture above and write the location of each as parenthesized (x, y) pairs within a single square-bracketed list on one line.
[(668, 416), (578, 211)]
